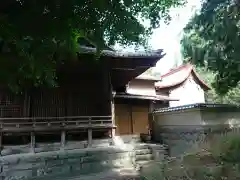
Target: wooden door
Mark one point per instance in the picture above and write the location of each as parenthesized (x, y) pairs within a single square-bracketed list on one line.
[(140, 119), (123, 119)]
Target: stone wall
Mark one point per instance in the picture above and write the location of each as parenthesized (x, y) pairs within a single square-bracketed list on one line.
[(59, 163), (185, 139), (76, 162), (46, 147), (188, 128)]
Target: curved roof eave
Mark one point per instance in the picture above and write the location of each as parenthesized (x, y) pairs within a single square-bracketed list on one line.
[(183, 79)]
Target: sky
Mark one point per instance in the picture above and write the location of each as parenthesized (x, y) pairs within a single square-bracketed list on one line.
[(168, 37)]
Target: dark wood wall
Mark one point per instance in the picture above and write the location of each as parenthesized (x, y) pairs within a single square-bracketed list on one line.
[(47, 102), (11, 105), (82, 91)]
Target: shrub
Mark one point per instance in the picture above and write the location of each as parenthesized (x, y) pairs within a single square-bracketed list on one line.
[(220, 160), (227, 148)]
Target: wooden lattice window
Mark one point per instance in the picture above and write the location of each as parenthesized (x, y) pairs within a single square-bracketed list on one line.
[(48, 103), (11, 105)]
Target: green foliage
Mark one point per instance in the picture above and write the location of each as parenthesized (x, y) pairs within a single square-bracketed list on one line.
[(37, 35), (231, 97), (227, 148), (212, 39)]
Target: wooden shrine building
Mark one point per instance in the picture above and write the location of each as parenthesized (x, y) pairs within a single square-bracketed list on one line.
[(81, 107)]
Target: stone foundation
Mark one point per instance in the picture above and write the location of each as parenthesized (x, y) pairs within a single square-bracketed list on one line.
[(81, 161), (46, 147), (76, 162)]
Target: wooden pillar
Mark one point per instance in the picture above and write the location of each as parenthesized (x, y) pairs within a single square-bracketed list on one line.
[(150, 117), (33, 142), (89, 132), (113, 131), (151, 106), (63, 139), (111, 94), (1, 143), (131, 116), (89, 137)]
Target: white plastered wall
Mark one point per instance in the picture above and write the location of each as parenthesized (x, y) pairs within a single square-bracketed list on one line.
[(141, 87), (190, 92)]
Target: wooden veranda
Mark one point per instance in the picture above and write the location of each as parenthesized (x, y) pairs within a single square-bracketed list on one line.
[(51, 124)]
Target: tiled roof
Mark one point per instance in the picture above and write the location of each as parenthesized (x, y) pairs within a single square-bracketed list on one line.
[(144, 54), (179, 75), (198, 105)]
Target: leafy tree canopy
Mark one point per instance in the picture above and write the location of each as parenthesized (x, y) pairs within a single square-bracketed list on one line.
[(231, 97), (36, 35), (212, 39)]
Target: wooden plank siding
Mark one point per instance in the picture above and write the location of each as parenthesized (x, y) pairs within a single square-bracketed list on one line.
[(54, 110), (140, 119), (131, 116), (48, 103), (11, 105), (123, 119), (80, 106)]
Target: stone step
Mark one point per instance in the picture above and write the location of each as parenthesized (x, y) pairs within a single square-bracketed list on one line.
[(130, 139), (140, 146), (144, 157), (143, 163), (149, 152), (143, 151)]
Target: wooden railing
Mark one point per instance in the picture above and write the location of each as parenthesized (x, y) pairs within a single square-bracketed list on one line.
[(54, 123), (61, 124)]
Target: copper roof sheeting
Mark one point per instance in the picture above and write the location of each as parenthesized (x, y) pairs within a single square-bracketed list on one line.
[(178, 76), (125, 66), (148, 77), (197, 105), (153, 98)]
